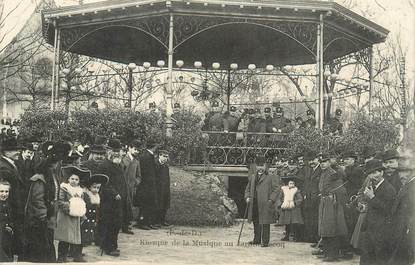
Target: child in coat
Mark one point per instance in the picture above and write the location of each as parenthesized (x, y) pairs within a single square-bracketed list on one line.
[(6, 224), (289, 205), (71, 207), (92, 199)]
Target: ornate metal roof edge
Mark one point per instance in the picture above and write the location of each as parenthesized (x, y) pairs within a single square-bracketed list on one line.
[(330, 8)]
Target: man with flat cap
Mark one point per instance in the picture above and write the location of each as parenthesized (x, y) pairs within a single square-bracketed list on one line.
[(163, 187), (377, 227), (335, 126), (311, 120)]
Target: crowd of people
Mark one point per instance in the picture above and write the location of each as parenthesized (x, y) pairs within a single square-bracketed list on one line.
[(78, 195), (345, 206), (266, 120)]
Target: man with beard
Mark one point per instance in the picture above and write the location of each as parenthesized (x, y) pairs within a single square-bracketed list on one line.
[(147, 190), (391, 164), (311, 201), (96, 157), (403, 213), (163, 187), (331, 223), (132, 174), (113, 199), (379, 193), (261, 195)]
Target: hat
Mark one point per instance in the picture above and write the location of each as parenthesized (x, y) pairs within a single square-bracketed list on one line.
[(114, 145), (151, 143), (368, 151), (279, 110), (267, 110), (163, 152), (176, 105), (373, 165), (350, 154), (10, 144), (390, 154), (233, 108), (5, 175), (310, 112), (135, 143), (83, 174), (339, 112), (98, 178), (98, 149), (28, 146)]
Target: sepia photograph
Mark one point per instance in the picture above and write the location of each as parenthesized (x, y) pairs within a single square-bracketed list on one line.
[(272, 132)]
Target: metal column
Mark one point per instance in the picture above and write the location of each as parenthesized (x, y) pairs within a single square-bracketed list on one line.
[(319, 68), (52, 99), (58, 52), (169, 92), (370, 80)]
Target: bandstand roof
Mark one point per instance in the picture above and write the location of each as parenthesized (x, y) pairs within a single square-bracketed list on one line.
[(262, 32)]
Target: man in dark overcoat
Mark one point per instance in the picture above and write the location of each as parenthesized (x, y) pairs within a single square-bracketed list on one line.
[(132, 174), (331, 223), (147, 189), (10, 151), (403, 213), (354, 178), (113, 197), (377, 227), (26, 165), (261, 194), (163, 187), (311, 201)]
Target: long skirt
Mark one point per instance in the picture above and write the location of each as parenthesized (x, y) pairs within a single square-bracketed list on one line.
[(355, 241)]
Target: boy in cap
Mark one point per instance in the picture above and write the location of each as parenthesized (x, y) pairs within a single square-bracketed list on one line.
[(163, 184)]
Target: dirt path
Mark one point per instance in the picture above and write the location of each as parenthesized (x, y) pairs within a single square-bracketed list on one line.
[(206, 245)]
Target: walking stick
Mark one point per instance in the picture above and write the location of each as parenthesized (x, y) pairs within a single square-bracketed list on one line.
[(243, 222)]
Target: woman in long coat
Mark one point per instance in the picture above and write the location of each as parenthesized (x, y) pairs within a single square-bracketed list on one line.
[(261, 194)]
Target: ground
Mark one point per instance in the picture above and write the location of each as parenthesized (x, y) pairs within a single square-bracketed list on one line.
[(214, 245)]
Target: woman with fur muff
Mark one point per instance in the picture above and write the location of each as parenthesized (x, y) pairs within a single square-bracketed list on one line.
[(71, 207), (92, 200), (289, 206)]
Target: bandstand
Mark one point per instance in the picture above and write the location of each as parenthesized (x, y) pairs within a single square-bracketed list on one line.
[(255, 34)]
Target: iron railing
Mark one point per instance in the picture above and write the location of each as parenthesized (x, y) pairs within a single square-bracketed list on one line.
[(238, 148)]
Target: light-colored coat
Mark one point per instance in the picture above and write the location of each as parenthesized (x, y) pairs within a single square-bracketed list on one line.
[(266, 189), (68, 227)]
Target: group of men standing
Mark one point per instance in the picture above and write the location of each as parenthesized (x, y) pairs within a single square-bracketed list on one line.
[(366, 209), (138, 176), (269, 120)]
